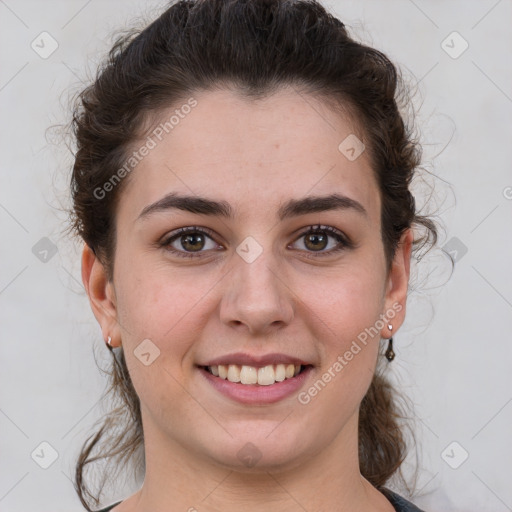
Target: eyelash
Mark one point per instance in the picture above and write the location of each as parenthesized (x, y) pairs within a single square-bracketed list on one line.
[(343, 241)]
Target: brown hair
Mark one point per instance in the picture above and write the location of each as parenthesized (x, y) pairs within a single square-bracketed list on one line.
[(253, 47)]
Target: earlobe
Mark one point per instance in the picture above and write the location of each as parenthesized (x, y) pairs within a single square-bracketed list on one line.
[(100, 292)]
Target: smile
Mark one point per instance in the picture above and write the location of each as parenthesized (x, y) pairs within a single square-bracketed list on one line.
[(256, 385), (262, 376)]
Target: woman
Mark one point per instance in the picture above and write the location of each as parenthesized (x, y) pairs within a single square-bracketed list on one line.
[(241, 183)]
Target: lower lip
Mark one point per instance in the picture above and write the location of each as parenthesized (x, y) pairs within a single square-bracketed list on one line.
[(257, 394)]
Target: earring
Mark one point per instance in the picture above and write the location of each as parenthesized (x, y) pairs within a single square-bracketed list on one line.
[(109, 341), (390, 354)]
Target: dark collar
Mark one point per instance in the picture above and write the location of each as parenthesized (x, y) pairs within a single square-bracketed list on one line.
[(400, 504)]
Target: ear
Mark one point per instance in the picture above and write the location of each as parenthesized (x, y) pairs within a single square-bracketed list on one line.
[(397, 284), (101, 295)]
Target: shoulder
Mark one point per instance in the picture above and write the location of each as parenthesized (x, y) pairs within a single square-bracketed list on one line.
[(400, 504)]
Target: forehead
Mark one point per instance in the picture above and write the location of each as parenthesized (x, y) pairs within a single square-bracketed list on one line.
[(252, 154)]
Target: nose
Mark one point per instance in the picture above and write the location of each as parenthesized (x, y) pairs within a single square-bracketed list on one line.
[(257, 298)]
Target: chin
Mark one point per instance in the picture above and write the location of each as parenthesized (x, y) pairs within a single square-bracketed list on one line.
[(262, 452)]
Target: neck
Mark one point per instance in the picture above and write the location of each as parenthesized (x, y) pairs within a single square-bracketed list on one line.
[(329, 480)]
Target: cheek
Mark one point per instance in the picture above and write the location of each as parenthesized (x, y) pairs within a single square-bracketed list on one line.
[(167, 307), (346, 302), (157, 305), (346, 319)]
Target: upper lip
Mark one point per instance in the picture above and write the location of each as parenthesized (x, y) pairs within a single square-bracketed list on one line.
[(243, 359)]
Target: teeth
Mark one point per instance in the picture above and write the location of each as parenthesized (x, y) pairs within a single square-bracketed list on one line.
[(248, 375), (264, 376), (280, 372), (233, 373), (223, 371)]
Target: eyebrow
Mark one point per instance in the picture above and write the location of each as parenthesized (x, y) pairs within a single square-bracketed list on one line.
[(292, 208)]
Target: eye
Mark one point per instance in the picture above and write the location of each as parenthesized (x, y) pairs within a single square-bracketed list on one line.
[(189, 242), (316, 239), (192, 241)]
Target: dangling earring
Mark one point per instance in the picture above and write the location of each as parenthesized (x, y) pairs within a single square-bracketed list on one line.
[(390, 354)]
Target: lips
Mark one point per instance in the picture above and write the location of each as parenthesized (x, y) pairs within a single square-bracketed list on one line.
[(234, 373), (270, 391)]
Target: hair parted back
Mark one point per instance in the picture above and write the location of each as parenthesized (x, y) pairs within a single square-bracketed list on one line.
[(253, 47)]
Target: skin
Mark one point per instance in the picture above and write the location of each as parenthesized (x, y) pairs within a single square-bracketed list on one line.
[(255, 156)]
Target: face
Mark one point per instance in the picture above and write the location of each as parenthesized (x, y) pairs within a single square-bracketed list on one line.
[(263, 277)]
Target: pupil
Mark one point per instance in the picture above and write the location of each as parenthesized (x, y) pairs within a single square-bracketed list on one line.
[(315, 238), (188, 239)]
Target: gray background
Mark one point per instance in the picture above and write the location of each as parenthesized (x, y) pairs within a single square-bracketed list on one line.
[(453, 353)]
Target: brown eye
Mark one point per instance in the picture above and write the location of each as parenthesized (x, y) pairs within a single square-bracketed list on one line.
[(316, 241), (189, 242), (192, 242), (317, 238)]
